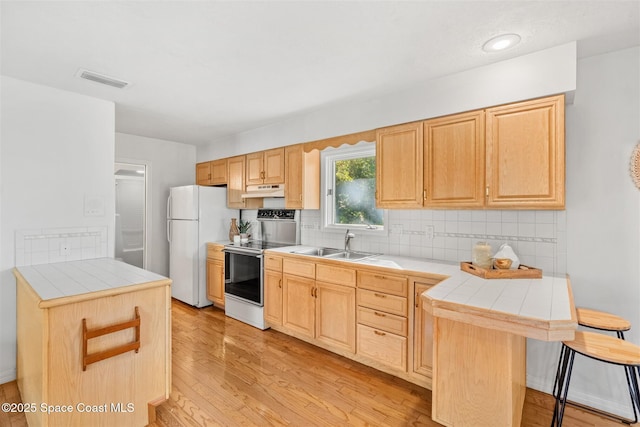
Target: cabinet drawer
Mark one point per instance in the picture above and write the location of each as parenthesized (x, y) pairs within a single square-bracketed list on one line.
[(337, 275), (384, 347), (383, 302), (299, 268), (380, 320), (395, 285), (215, 251), (272, 262)]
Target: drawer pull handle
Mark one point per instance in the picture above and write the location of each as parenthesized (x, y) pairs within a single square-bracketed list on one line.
[(380, 277), (379, 314), (379, 333), (380, 295), (280, 283)]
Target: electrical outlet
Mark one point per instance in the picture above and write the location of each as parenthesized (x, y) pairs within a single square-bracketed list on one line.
[(428, 230)]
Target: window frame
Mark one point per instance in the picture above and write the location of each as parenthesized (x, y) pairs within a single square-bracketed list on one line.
[(327, 158)]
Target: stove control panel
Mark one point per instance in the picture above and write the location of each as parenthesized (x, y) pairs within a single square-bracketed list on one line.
[(276, 214)]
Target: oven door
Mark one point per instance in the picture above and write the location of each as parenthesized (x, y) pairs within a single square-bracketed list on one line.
[(243, 278)]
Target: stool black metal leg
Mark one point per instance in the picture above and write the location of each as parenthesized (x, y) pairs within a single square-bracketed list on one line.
[(561, 388), (632, 383), (634, 390)]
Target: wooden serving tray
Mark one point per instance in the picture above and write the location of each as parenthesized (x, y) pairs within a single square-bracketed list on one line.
[(523, 272)]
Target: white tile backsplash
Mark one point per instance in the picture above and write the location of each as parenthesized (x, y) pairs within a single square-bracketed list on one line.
[(44, 246), (537, 237)]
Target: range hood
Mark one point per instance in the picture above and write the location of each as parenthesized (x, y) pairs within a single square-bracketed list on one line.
[(262, 191)]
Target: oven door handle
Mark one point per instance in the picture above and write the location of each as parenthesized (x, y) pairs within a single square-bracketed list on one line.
[(242, 252)]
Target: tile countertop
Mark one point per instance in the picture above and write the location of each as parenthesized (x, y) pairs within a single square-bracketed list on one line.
[(536, 308), (60, 283)]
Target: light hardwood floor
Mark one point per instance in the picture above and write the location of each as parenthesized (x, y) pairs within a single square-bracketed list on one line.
[(226, 373)]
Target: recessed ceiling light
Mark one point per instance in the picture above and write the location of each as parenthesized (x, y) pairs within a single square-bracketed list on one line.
[(501, 42)]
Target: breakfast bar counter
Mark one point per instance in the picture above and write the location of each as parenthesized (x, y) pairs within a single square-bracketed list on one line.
[(480, 330)]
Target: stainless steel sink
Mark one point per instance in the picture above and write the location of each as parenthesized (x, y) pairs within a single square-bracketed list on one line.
[(334, 253), (318, 251), (352, 255)]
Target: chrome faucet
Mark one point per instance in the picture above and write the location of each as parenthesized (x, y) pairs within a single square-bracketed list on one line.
[(347, 239)]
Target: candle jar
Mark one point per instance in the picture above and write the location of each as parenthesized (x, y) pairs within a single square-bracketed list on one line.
[(481, 255)]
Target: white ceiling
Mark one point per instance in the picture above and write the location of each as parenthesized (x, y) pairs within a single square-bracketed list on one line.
[(202, 70)]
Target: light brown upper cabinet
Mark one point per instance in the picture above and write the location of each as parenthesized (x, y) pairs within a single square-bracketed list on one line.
[(454, 161), (399, 157), (236, 185), (265, 167), (212, 173), (302, 184), (525, 154)]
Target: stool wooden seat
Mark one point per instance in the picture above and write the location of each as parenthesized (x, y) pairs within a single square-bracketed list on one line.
[(603, 321), (600, 347)]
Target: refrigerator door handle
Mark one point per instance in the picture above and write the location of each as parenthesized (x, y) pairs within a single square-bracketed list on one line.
[(168, 231), (169, 206)]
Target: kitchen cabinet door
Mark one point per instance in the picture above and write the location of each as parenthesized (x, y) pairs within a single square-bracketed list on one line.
[(273, 297), (235, 185), (336, 315), (422, 335), (298, 302), (218, 172), (203, 173), (302, 178), (215, 281), (265, 167), (454, 161), (525, 154), (399, 168)]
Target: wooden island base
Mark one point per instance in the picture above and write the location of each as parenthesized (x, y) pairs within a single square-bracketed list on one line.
[(483, 381)]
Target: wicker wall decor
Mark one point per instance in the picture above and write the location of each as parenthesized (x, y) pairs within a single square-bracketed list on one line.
[(634, 166)]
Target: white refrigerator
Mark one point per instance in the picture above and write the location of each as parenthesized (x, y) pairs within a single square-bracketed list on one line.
[(195, 215)]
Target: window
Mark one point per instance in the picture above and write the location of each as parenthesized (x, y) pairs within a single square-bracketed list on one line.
[(350, 188)]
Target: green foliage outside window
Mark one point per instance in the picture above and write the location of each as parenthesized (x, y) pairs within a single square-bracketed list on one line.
[(355, 188)]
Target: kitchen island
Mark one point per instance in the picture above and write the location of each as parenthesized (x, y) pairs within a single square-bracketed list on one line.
[(480, 328), (94, 342)]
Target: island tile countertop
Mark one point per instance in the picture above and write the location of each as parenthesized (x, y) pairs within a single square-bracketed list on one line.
[(536, 308), (57, 283)]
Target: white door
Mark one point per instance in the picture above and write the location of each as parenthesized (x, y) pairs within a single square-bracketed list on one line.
[(183, 260), (183, 202)]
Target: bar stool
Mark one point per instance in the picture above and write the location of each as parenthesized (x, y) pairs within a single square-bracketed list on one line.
[(603, 321), (599, 347)]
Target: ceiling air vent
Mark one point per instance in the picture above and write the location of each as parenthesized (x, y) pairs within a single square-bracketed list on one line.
[(101, 78)]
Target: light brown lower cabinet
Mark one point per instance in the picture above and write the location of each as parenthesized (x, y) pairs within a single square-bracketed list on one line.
[(273, 296), (369, 315), (422, 334), (336, 315), (215, 274), (298, 304)]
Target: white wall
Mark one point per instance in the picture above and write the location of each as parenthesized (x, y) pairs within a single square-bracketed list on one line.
[(56, 150), (169, 164), (603, 225), (597, 238), (547, 72)]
